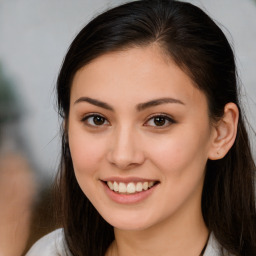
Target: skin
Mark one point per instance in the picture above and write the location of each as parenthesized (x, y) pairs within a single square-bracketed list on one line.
[(128, 143)]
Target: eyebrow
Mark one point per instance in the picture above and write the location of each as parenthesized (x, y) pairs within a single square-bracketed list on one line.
[(157, 102), (139, 107), (94, 102)]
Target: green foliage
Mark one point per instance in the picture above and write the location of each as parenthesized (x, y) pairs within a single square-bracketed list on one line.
[(9, 106)]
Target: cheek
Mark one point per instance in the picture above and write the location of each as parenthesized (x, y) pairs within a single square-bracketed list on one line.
[(86, 152), (184, 149)]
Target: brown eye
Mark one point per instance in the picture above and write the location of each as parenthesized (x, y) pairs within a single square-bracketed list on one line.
[(95, 120), (98, 120), (160, 121)]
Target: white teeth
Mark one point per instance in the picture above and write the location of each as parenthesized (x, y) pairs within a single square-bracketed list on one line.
[(151, 184), (139, 187), (122, 188), (110, 185), (131, 187), (116, 187), (145, 185)]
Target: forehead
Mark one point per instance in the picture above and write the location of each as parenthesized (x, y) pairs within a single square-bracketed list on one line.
[(138, 73)]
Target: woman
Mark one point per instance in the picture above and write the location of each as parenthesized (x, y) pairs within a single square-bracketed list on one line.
[(155, 154)]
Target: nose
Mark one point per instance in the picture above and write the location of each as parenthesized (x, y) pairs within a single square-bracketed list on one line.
[(125, 150)]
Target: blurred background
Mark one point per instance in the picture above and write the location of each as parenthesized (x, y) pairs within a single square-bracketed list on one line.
[(34, 37)]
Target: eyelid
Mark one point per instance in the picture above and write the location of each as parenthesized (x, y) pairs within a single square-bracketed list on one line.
[(164, 115), (87, 116)]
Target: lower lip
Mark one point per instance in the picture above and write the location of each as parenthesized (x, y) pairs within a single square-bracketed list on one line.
[(128, 198)]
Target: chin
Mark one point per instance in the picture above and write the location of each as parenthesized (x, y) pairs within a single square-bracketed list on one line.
[(129, 222), (128, 226)]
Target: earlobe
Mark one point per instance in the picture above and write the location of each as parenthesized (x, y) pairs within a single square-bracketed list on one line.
[(224, 132)]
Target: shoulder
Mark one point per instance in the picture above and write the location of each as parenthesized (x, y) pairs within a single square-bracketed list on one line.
[(52, 244)]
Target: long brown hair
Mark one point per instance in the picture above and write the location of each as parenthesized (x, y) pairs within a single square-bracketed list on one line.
[(199, 47)]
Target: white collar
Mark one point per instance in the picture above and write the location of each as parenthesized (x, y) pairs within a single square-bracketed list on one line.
[(213, 248)]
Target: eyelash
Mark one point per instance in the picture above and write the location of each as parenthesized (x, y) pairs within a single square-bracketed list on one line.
[(85, 119), (166, 118)]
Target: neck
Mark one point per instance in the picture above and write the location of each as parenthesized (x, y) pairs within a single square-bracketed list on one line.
[(177, 236)]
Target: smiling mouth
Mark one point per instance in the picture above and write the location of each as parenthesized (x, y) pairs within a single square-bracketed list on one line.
[(131, 187)]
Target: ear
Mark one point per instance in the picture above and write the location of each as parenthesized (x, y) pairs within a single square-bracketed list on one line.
[(224, 132)]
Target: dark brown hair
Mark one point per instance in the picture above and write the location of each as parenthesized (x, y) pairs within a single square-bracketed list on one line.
[(198, 46)]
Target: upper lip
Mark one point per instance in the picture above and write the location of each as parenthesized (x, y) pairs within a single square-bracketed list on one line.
[(127, 179)]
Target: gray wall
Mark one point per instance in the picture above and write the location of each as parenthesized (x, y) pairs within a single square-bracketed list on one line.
[(34, 36)]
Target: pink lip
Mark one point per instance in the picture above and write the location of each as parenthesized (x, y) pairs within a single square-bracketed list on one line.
[(128, 198)]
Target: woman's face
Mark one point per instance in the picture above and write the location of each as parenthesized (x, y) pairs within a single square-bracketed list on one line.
[(139, 136)]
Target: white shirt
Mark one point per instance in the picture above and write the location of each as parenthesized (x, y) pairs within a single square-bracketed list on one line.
[(53, 245)]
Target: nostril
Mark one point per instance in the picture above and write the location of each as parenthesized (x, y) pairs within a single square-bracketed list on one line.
[(125, 155)]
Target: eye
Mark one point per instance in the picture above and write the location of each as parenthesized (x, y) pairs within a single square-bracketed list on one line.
[(160, 121), (95, 120)]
